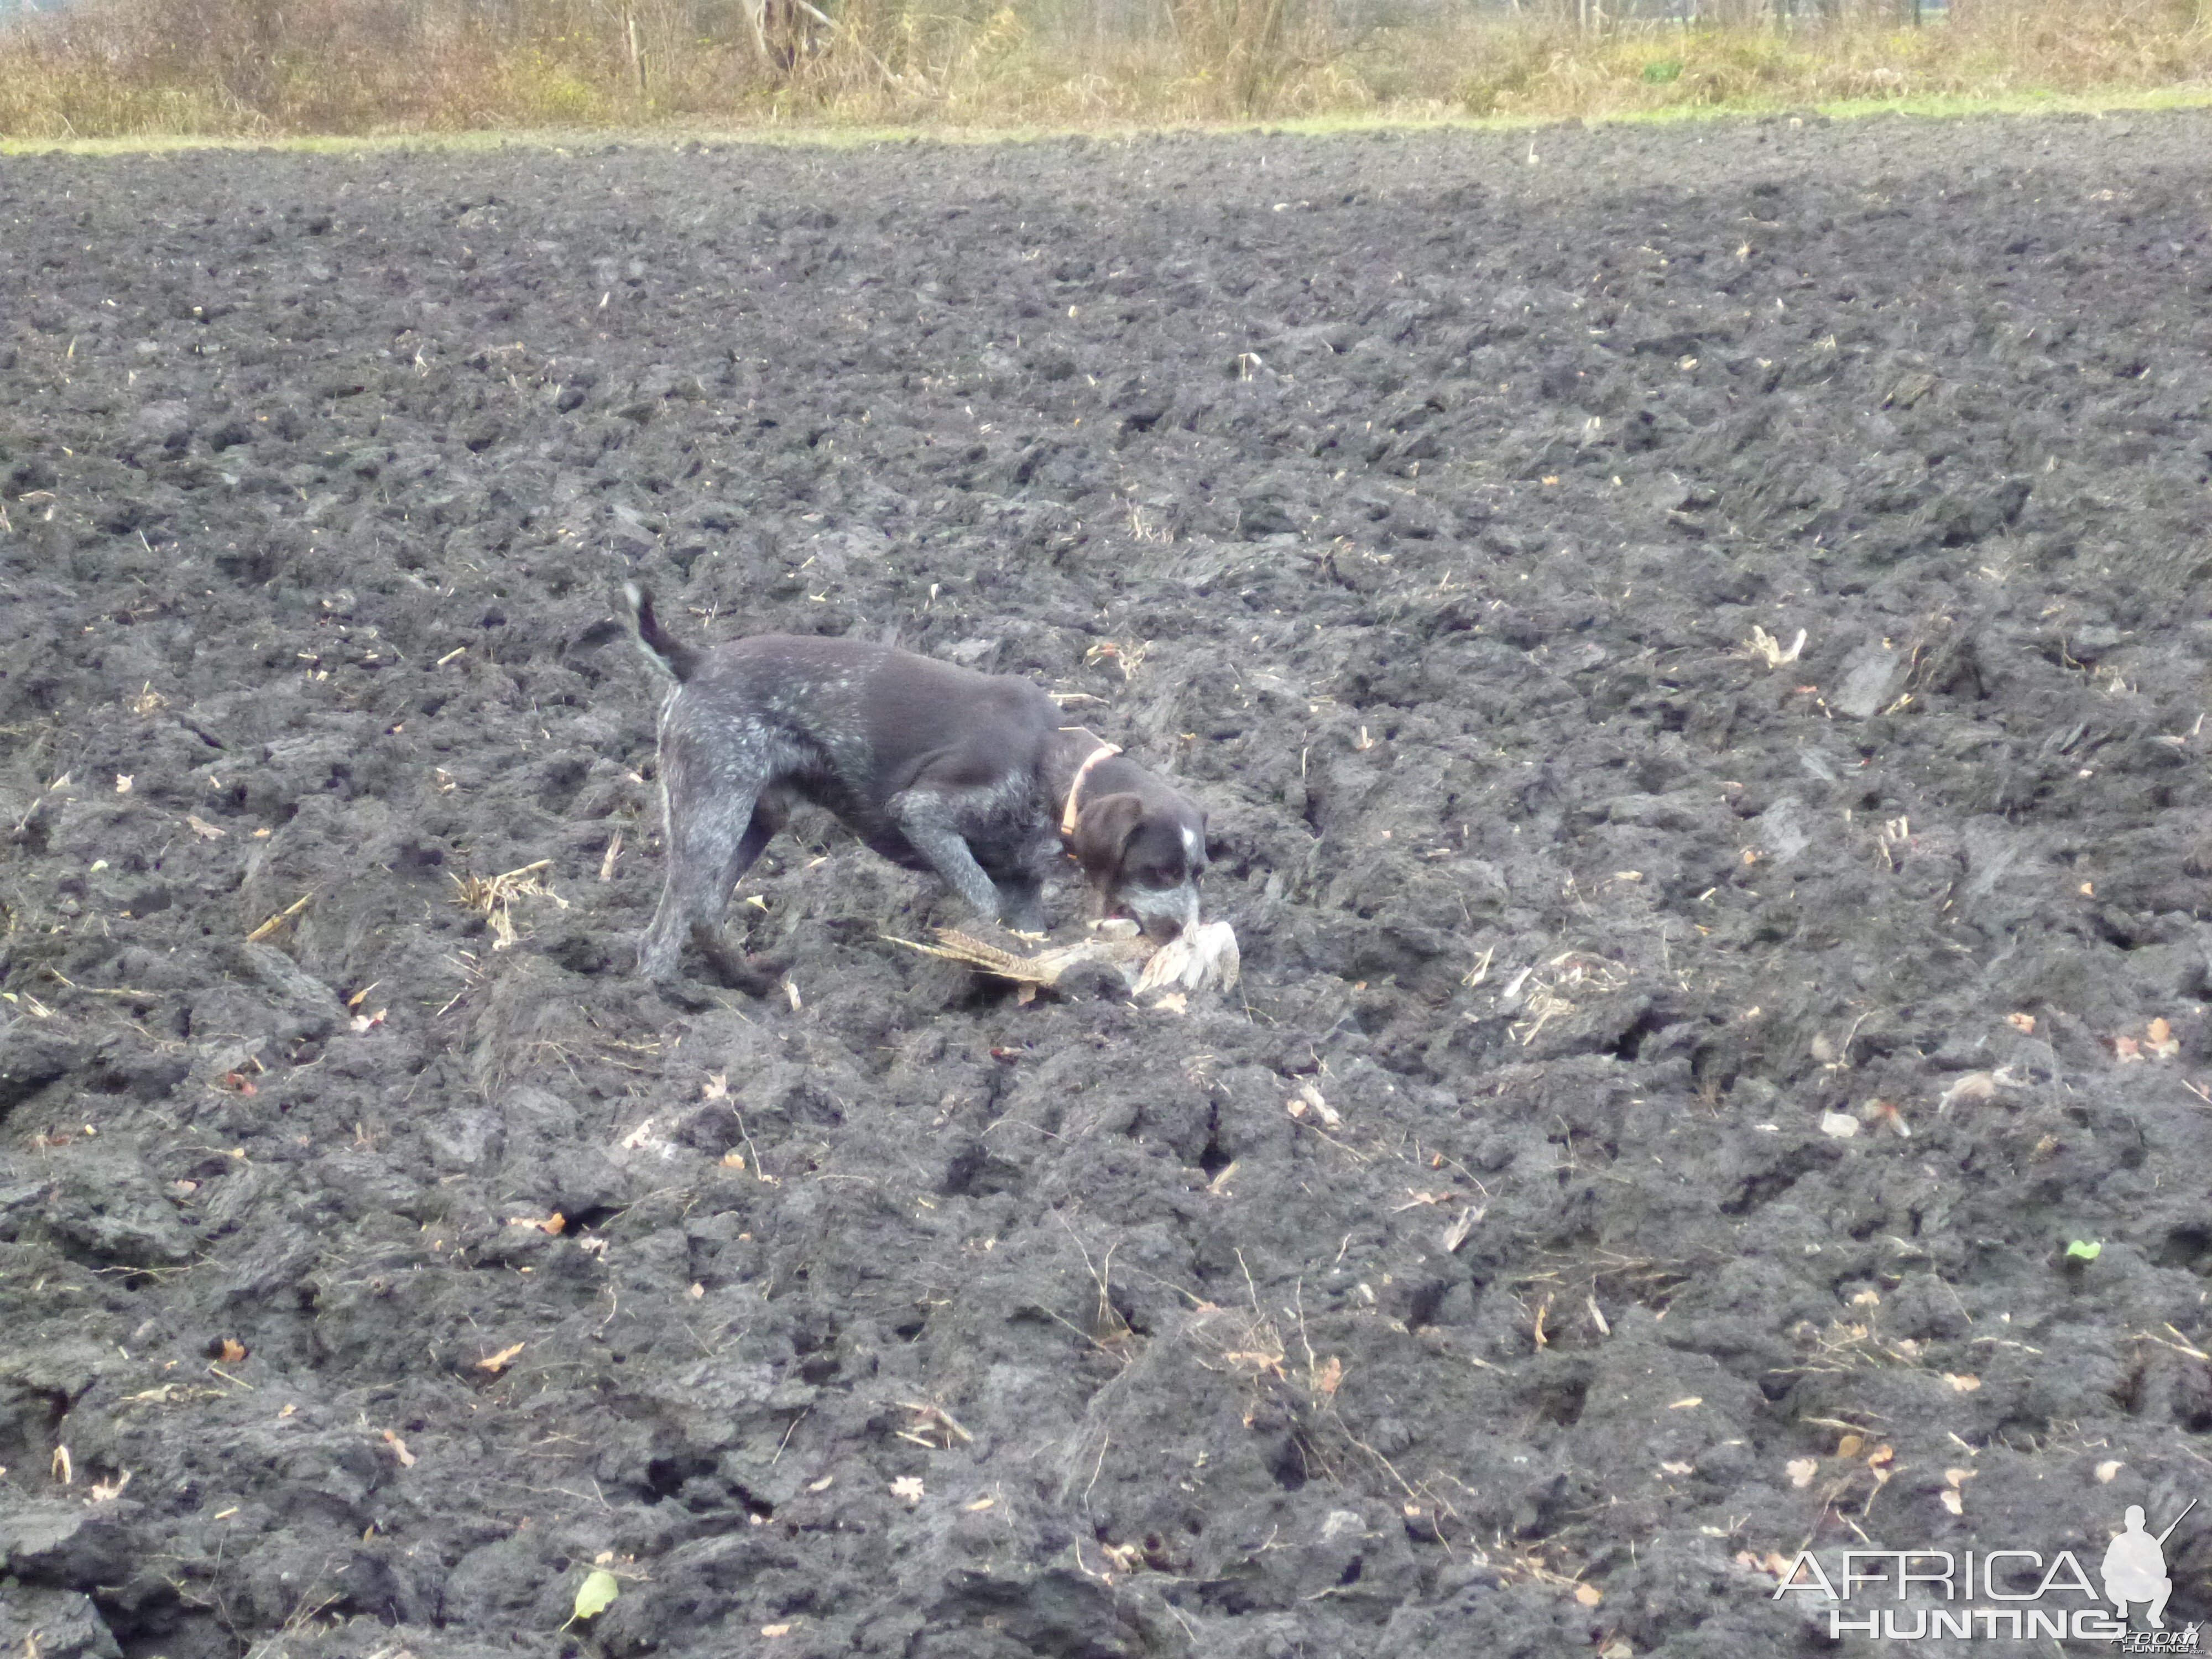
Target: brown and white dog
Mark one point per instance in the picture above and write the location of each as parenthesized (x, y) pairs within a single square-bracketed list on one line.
[(932, 766)]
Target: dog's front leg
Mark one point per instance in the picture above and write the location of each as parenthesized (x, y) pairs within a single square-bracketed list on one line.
[(1021, 903), (933, 829)]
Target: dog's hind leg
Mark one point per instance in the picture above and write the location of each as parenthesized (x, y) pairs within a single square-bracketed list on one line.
[(712, 843), (755, 976)]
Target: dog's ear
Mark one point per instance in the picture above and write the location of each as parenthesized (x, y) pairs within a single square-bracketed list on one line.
[(1102, 835)]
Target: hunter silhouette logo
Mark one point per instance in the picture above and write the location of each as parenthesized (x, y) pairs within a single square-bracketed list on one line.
[(2135, 1566), (2010, 1595)]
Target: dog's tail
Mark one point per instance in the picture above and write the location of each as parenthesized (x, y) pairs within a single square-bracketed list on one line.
[(668, 654)]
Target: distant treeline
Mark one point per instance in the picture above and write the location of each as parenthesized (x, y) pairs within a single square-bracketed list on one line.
[(95, 68)]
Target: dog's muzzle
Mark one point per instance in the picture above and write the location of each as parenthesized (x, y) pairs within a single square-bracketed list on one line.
[(1163, 912)]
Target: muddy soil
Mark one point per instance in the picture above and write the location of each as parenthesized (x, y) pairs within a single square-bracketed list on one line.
[(1670, 1069)]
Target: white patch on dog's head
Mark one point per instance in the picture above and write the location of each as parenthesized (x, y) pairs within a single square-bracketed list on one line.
[(1191, 846)]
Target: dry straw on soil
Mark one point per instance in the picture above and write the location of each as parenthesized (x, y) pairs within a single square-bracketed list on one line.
[(247, 68)]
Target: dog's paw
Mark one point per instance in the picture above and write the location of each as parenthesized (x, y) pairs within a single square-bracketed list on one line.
[(755, 976), (686, 994), (766, 971)]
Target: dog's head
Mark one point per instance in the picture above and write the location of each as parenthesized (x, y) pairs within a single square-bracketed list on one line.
[(1143, 852)]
